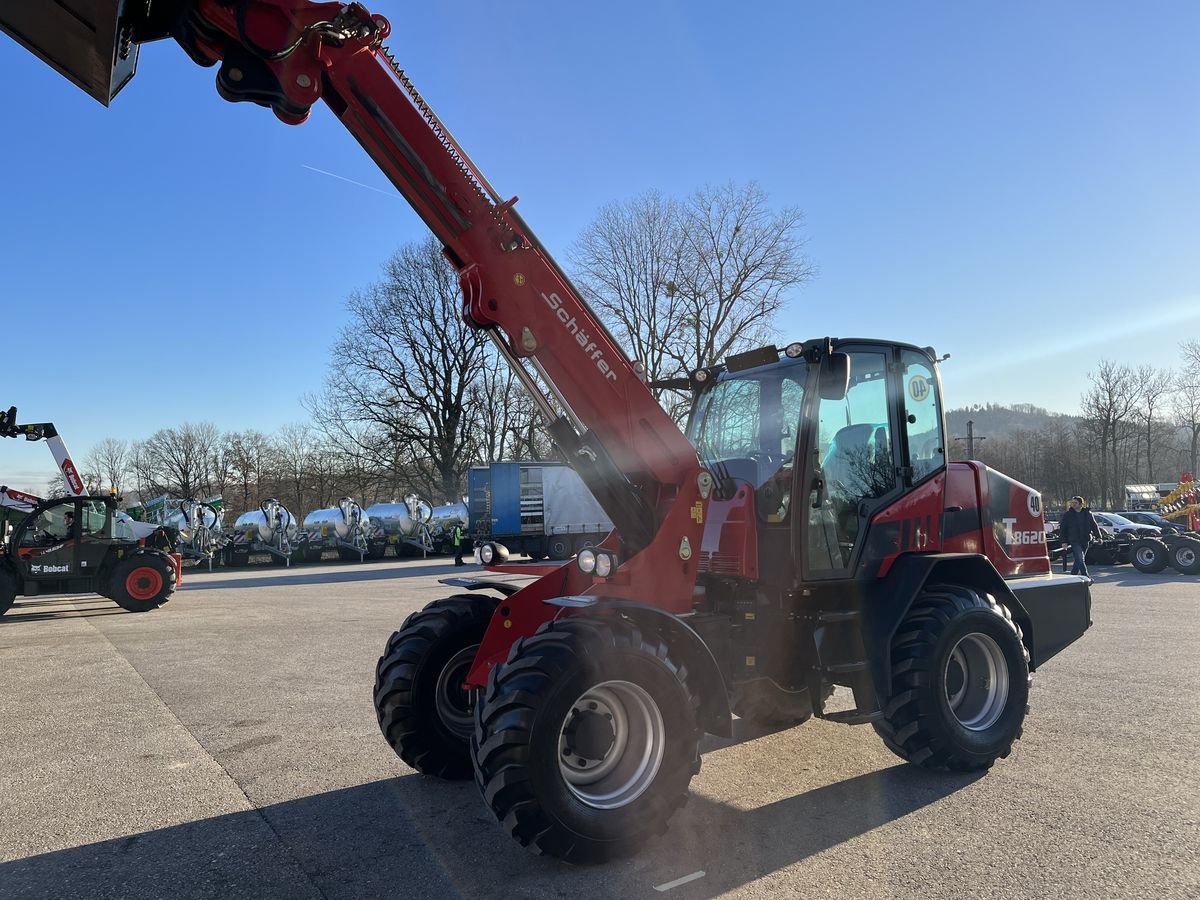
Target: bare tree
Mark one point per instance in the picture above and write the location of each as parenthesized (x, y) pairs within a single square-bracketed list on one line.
[(1155, 386), (685, 283), (626, 262), (110, 461), (405, 365), (176, 460), (251, 455), (508, 424), (1107, 406), (1186, 404), (738, 261)]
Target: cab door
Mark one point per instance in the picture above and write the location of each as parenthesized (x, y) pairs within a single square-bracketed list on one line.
[(852, 465), (95, 519), (44, 550)]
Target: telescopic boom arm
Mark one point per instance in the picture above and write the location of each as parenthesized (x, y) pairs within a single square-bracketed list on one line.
[(289, 54), (47, 432)]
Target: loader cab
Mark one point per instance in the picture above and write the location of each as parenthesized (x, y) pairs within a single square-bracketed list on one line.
[(46, 552), (822, 460)]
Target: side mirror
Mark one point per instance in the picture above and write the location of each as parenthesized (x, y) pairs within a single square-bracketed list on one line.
[(834, 379)]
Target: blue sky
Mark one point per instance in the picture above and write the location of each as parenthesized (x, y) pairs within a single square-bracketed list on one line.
[(1016, 185)]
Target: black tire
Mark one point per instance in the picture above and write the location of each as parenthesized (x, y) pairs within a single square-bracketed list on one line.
[(1150, 556), (376, 551), (1184, 556), (563, 693), (559, 546), (423, 713), (763, 702), (142, 582), (8, 591), (939, 717)]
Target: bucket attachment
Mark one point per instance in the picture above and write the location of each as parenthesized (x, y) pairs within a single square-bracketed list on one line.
[(94, 43)]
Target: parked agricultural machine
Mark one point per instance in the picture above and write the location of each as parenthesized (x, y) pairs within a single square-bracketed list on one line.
[(198, 526), (73, 544), (1179, 550), (414, 527), (807, 533), (442, 520), (1183, 503), (1174, 512), (269, 530), (346, 530)]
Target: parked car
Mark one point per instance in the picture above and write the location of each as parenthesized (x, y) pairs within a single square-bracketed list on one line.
[(1145, 517), (1122, 525), (1116, 548)]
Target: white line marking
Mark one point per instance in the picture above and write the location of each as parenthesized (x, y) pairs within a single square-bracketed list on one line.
[(678, 881)]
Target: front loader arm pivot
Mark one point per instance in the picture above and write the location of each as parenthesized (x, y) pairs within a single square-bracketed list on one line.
[(289, 54)]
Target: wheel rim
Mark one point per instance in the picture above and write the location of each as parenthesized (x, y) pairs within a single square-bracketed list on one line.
[(144, 583), (452, 700), (976, 680), (1185, 556), (1145, 555), (611, 745)]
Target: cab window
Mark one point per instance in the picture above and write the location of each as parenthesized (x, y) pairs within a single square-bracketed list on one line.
[(94, 516), (922, 416), (47, 527), (854, 455)]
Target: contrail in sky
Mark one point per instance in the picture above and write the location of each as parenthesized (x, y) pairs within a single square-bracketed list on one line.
[(350, 180)]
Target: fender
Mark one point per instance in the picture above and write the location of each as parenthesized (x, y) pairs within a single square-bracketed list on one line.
[(714, 715), (1060, 605), (104, 575), (481, 584)]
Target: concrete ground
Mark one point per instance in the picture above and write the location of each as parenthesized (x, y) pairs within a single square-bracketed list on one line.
[(226, 746)]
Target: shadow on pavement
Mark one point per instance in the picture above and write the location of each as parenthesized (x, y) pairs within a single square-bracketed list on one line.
[(744, 731), (61, 608), (737, 847), (1134, 578), (278, 577), (415, 837)]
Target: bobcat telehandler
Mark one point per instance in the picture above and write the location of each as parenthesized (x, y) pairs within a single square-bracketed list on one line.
[(68, 545)]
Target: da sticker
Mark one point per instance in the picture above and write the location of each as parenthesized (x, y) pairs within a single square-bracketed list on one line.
[(918, 388)]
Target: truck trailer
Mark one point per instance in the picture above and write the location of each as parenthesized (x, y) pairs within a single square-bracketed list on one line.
[(540, 509)]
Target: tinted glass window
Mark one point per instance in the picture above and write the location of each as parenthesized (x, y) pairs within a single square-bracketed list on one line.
[(922, 416)]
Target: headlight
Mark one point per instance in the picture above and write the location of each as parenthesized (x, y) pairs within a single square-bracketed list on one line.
[(600, 563), (606, 564)]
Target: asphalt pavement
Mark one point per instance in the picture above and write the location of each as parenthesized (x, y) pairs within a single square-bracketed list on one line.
[(226, 746)]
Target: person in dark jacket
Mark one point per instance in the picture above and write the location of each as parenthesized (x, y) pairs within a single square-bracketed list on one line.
[(1076, 530)]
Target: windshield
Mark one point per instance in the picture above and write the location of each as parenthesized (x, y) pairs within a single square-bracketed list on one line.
[(1113, 519), (749, 421)]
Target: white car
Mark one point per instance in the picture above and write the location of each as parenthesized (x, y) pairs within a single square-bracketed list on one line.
[(1122, 525)]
